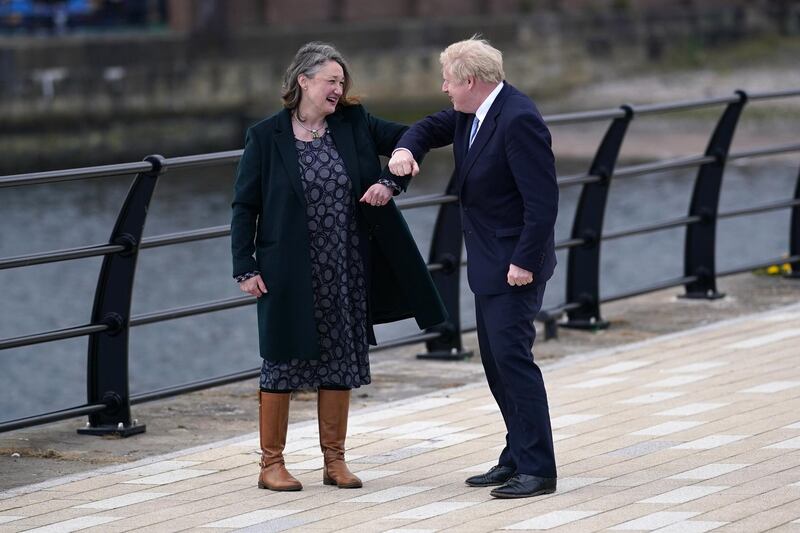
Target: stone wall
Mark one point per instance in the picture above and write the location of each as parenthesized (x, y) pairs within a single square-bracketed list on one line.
[(86, 84)]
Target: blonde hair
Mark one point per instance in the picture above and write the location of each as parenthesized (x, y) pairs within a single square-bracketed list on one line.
[(473, 57), (310, 58)]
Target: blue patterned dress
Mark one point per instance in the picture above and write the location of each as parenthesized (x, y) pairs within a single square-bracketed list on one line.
[(337, 278)]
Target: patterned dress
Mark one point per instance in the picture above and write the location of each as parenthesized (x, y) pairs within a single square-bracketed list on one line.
[(337, 278)]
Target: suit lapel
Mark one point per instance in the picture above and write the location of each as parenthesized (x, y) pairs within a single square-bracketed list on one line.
[(485, 132), (284, 139), (342, 132), (460, 140), (460, 143), (483, 136)]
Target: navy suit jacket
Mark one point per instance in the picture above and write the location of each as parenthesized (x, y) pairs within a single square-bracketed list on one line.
[(507, 187)]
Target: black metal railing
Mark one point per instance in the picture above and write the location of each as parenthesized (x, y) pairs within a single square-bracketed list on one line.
[(109, 400)]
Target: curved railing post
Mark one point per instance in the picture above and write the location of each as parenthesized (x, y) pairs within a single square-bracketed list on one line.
[(107, 374), (583, 262), (794, 232), (700, 246), (446, 249)]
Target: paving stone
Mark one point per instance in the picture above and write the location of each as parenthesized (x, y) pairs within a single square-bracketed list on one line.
[(709, 471), (688, 433), (691, 526), (643, 448), (684, 494)]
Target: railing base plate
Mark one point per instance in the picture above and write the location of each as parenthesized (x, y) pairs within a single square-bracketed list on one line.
[(444, 355), (550, 329), (590, 325), (702, 295), (113, 431)]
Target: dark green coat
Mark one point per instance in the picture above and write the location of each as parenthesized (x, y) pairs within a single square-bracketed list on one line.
[(269, 219)]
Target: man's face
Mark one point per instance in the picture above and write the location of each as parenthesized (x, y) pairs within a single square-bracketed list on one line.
[(459, 92)]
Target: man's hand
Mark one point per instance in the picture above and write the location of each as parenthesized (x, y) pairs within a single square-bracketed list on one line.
[(377, 194), (518, 276), (254, 286), (403, 163)]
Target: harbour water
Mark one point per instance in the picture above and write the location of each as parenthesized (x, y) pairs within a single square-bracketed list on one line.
[(38, 218)]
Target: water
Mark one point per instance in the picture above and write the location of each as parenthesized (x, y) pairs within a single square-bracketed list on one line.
[(52, 376)]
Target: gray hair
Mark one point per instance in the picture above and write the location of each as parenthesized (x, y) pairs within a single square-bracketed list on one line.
[(308, 60)]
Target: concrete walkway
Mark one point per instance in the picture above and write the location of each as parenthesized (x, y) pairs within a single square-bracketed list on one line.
[(691, 432)]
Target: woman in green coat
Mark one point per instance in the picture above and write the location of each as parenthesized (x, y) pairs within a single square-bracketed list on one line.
[(317, 238)]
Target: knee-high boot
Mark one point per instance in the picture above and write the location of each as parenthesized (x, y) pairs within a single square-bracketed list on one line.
[(273, 410), (332, 410)]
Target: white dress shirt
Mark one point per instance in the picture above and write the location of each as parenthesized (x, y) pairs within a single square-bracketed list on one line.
[(483, 109), (481, 112)]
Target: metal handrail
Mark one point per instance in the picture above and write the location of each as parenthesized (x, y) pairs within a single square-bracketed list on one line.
[(767, 150), (769, 95), (583, 116), (649, 228), (191, 310), (660, 166), (217, 158), (52, 176), (186, 236), (54, 335), (54, 416), (774, 206), (599, 176), (666, 284), (650, 109), (569, 243), (61, 255), (761, 264), (168, 239), (193, 386), (578, 179), (426, 200)]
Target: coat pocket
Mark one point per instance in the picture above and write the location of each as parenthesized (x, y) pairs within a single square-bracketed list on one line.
[(508, 232)]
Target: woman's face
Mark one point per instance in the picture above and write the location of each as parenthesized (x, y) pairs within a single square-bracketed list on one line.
[(322, 92)]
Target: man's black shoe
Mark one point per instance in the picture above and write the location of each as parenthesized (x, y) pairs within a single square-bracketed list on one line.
[(525, 486), (497, 475)]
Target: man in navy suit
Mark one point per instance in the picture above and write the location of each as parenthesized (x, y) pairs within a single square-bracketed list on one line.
[(506, 179)]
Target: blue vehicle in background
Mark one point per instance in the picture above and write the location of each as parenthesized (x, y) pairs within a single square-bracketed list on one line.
[(61, 16)]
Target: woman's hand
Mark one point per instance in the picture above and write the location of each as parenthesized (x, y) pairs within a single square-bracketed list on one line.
[(254, 286), (377, 195)]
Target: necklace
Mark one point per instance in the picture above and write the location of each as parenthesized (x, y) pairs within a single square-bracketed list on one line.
[(314, 132)]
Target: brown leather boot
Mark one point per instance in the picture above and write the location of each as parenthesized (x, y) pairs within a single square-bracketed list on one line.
[(332, 409), (273, 410)]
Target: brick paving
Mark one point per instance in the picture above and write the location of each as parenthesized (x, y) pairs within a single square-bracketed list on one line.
[(691, 432)]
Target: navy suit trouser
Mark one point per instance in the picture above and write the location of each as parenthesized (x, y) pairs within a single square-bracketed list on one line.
[(505, 337)]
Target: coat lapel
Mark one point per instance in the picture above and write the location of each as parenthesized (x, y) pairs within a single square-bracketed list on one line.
[(484, 133), (342, 132), (284, 139)]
